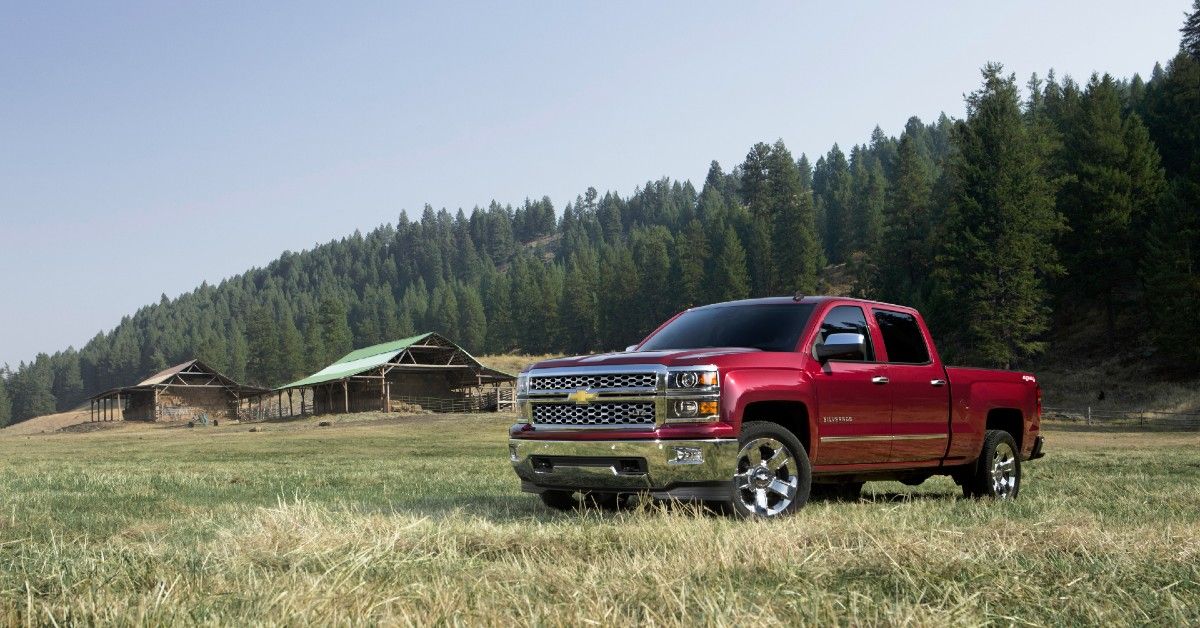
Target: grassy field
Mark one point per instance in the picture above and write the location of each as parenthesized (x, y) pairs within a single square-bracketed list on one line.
[(419, 521)]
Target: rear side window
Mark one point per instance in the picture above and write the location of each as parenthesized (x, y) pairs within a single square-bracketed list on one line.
[(846, 319), (902, 337)]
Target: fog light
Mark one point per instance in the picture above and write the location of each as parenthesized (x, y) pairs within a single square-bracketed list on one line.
[(687, 409), (512, 452), (687, 455)]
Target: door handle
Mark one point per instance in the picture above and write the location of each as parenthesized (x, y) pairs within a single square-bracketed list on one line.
[(937, 382), (879, 379)]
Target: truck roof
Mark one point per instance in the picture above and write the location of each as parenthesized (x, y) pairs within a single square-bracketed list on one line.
[(810, 300)]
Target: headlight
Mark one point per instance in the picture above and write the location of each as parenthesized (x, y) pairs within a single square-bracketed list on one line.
[(523, 384), (693, 379)]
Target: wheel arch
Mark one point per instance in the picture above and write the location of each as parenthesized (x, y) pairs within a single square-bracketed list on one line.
[(1010, 420), (789, 414)]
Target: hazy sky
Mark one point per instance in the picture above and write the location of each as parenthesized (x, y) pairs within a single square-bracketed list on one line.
[(146, 147)]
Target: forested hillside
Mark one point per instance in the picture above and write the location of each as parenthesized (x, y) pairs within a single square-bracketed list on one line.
[(1049, 200)]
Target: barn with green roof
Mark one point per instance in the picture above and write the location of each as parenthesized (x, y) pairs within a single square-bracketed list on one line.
[(426, 370)]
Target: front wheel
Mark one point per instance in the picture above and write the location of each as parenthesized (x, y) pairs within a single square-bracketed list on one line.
[(998, 470), (772, 477)]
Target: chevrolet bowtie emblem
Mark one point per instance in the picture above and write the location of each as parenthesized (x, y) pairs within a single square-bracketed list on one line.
[(582, 397)]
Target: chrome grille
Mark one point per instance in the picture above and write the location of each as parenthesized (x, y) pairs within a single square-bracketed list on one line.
[(615, 413), (575, 382)]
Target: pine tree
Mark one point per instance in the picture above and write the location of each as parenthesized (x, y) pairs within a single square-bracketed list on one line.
[(835, 193), (652, 255), (999, 243), (290, 365), (444, 313), (5, 402), (799, 258), (620, 283), (1190, 42), (868, 190), (472, 322), (262, 363), (68, 381), (31, 390), (729, 273), (692, 255), (239, 354), (760, 236), (157, 361), (579, 304), (211, 349), (1108, 195), (314, 348), (334, 329), (1172, 276), (906, 254), (501, 335)]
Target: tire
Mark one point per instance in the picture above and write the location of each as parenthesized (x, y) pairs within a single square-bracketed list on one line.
[(559, 500), (759, 491), (998, 471)]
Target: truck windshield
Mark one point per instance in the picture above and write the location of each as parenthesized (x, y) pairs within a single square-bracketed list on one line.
[(773, 327)]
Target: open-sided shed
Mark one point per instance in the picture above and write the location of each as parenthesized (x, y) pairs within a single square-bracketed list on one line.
[(182, 392), (426, 370)]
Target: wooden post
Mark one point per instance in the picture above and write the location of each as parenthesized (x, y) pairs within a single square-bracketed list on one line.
[(154, 411), (291, 405), (346, 394), (387, 392)]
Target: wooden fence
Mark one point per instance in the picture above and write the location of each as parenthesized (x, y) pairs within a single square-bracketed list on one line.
[(1124, 419)]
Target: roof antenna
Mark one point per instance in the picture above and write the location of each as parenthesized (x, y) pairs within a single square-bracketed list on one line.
[(799, 296)]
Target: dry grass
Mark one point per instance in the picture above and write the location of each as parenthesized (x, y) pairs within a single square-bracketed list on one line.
[(48, 423), (419, 521), (513, 363)]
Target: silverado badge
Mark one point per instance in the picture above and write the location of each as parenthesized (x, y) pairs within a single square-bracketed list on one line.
[(582, 397)]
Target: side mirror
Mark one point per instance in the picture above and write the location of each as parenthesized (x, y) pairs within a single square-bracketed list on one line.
[(843, 347), (630, 348)]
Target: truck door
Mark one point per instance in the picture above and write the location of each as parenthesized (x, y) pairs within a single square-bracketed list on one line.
[(854, 426), (920, 392)]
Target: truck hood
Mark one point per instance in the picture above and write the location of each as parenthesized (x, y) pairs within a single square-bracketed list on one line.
[(672, 357)]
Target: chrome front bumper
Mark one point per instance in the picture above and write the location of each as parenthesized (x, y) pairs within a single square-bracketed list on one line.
[(650, 466)]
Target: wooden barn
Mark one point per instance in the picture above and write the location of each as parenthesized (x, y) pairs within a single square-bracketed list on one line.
[(181, 393), (426, 370)]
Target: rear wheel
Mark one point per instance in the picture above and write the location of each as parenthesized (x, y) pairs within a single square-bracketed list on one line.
[(772, 477), (998, 470)]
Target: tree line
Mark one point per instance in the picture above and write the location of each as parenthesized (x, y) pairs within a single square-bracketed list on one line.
[(1045, 204)]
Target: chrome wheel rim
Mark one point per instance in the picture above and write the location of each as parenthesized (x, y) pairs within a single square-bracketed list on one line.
[(1004, 472), (766, 479)]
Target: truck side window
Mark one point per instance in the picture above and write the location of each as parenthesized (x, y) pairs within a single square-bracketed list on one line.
[(847, 319), (902, 337)]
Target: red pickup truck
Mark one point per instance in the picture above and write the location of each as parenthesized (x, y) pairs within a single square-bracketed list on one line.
[(758, 403)]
